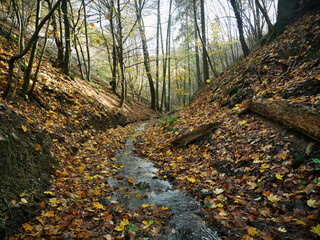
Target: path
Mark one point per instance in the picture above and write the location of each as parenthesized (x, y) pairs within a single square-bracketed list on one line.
[(185, 223)]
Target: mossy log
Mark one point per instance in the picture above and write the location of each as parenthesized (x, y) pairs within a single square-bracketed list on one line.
[(190, 136), (293, 115)]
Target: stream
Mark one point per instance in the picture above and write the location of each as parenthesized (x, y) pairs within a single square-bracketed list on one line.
[(185, 223)]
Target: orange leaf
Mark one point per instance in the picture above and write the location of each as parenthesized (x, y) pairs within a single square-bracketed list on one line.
[(253, 231), (27, 227), (130, 180), (37, 148)]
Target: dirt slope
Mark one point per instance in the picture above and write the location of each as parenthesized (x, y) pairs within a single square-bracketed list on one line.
[(257, 178)]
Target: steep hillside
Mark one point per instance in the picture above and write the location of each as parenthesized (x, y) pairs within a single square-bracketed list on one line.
[(47, 130), (258, 173)]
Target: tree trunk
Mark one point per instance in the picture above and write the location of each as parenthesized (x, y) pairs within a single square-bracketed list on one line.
[(67, 55), (57, 37), (298, 117), (244, 46), (204, 43), (120, 56), (145, 54), (188, 137), (27, 75), (157, 55), (40, 60), (87, 40), (199, 80), (265, 15)]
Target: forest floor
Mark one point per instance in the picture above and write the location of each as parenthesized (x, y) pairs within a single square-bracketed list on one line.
[(250, 178)]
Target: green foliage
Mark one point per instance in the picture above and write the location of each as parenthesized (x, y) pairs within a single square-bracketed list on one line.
[(168, 123), (316, 161)]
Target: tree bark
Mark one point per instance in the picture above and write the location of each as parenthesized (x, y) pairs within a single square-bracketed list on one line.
[(298, 117), (67, 55), (199, 80), (205, 55), (87, 40), (265, 15), (244, 46), (157, 54), (190, 136), (145, 54), (27, 75)]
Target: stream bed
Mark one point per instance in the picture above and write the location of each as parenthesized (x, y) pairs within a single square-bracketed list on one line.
[(185, 222)]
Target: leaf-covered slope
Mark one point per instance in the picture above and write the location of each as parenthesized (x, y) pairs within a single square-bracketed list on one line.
[(60, 117), (257, 179)]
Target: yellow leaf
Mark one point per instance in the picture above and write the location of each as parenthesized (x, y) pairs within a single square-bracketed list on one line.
[(273, 198), (23, 200), (81, 168), (312, 203), (125, 222), (279, 176), (22, 194), (317, 229), (191, 179), (253, 231), (27, 227), (49, 193), (24, 128), (96, 191), (242, 122), (92, 24), (164, 208), (220, 205), (119, 228), (282, 229), (98, 205), (37, 148), (50, 214), (145, 205), (130, 180)]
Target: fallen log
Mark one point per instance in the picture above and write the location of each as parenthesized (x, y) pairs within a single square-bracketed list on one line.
[(200, 131), (293, 115)]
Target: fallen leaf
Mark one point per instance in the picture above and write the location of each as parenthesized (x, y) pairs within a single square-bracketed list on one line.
[(24, 128), (37, 148), (253, 231), (130, 180), (312, 203), (97, 205), (81, 168), (317, 229), (273, 198), (191, 179), (279, 176), (282, 229), (27, 227)]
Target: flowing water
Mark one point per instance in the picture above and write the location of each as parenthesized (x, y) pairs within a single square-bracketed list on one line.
[(185, 223)]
